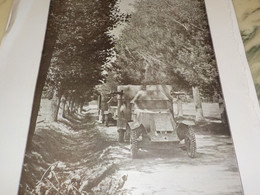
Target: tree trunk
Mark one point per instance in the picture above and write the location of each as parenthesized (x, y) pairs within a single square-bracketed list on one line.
[(55, 103), (198, 105), (81, 104), (179, 107), (48, 48), (81, 107), (78, 107), (74, 106), (71, 106), (57, 109), (222, 110), (65, 108), (62, 106)]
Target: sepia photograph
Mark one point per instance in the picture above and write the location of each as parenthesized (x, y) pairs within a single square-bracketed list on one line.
[(129, 101)]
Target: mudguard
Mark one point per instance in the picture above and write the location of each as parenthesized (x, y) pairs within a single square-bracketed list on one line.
[(182, 129)]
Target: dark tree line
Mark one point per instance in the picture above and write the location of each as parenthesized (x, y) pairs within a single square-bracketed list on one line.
[(77, 45)]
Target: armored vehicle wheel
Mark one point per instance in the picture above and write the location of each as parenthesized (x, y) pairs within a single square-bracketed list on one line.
[(190, 142), (121, 134), (134, 147)]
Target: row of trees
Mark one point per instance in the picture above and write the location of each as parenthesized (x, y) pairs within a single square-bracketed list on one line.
[(81, 46), (77, 45)]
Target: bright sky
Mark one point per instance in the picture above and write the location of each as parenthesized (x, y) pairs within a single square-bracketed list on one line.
[(125, 7)]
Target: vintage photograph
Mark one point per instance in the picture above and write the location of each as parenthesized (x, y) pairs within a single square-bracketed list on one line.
[(248, 17), (128, 101)]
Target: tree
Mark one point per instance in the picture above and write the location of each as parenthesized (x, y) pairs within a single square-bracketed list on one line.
[(168, 42), (56, 9), (77, 44), (82, 46)]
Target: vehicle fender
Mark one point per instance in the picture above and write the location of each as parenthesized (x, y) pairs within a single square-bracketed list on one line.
[(136, 126), (188, 122), (181, 130)]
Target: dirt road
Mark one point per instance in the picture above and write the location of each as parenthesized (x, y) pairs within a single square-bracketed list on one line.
[(84, 157), (213, 171)]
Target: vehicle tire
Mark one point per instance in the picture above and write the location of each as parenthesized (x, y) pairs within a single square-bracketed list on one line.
[(134, 147), (121, 134), (190, 142)]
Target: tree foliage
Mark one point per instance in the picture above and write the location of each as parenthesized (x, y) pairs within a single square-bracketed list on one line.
[(167, 42), (82, 44)]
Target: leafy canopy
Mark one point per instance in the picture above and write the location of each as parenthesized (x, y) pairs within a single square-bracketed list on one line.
[(82, 43), (167, 42)]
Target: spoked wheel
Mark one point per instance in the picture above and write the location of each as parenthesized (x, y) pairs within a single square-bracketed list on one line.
[(121, 134), (134, 147), (190, 142)]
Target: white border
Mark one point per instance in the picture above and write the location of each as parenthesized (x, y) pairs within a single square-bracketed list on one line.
[(239, 91), (20, 55)]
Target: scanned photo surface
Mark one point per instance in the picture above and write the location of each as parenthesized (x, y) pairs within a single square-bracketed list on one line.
[(248, 17), (129, 101)]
